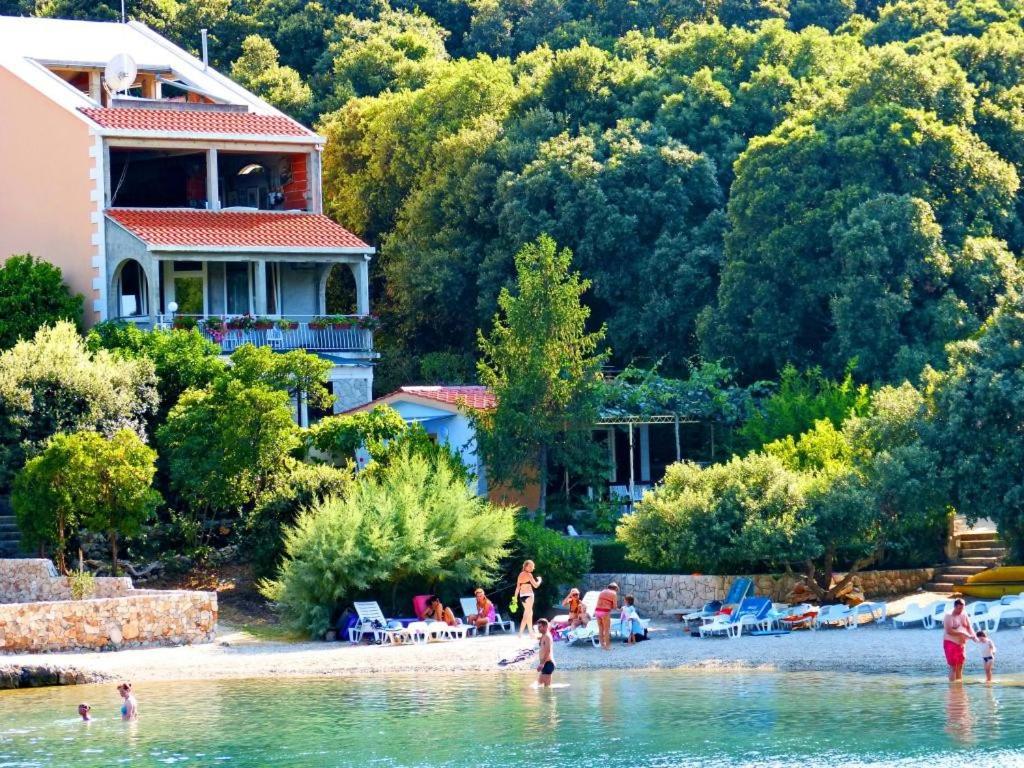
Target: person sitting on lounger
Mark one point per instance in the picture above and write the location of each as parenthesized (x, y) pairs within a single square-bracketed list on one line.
[(436, 611), (484, 610), (578, 616)]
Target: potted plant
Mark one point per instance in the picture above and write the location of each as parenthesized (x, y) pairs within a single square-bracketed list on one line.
[(244, 322), (214, 324), (340, 322), (369, 322), (318, 323), (262, 323), (287, 325), (183, 323)]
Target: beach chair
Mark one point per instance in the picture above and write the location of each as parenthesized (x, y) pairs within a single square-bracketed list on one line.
[(997, 613), (938, 611), (372, 622), (751, 613), (874, 611), (738, 592), (800, 617), (587, 634), (914, 614), (834, 615)]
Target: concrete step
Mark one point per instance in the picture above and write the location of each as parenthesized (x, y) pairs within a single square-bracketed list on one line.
[(988, 561), (963, 569), (936, 586), (978, 536), (996, 553)]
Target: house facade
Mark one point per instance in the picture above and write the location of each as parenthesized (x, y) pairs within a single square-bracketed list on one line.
[(178, 199), (444, 413)]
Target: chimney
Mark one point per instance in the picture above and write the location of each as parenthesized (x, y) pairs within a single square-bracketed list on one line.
[(206, 58)]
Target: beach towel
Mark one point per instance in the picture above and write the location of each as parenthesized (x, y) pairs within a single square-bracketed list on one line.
[(523, 655)]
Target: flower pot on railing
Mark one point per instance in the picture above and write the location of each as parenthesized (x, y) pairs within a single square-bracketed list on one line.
[(318, 324), (288, 325), (242, 323), (213, 324), (263, 325)]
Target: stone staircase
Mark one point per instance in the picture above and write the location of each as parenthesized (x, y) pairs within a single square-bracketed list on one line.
[(979, 550), (10, 537)]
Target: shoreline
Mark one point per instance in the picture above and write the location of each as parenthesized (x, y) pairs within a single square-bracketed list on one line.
[(237, 655)]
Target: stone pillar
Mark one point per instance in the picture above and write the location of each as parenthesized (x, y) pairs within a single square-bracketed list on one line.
[(260, 288), (361, 272), (212, 181)]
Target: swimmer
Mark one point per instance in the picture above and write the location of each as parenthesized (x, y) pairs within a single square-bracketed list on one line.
[(129, 707), (84, 710)]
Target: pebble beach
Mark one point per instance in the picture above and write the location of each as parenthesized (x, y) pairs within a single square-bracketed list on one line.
[(868, 649)]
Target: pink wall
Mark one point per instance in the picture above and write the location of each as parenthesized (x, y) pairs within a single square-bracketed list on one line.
[(45, 204)]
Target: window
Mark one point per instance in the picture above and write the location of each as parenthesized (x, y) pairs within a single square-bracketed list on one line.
[(236, 285), (131, 291)]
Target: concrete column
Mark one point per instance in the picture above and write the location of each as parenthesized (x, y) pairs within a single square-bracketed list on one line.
[(153, 290), (645, 453), (315, 191), (260, 288), (212, 182), (362, 275)]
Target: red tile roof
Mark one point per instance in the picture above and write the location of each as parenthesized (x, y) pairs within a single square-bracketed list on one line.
[(234, 229), (469, 396), (475, 397), (194, 121)]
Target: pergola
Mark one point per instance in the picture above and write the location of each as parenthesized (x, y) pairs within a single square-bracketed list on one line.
[(631, 421)]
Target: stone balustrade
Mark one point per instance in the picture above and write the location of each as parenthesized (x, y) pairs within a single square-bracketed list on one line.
[(37, 614), (656, 594)]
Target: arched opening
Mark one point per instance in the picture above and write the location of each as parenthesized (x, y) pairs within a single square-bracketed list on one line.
[(340, 297), (132, 290)]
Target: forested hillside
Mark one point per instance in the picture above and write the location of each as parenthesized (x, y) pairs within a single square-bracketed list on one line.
[(811, 181)]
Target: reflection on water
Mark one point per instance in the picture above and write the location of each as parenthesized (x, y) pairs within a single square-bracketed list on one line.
[(610, 719)]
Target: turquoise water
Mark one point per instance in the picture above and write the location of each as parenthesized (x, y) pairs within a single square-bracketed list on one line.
[(606, 719)]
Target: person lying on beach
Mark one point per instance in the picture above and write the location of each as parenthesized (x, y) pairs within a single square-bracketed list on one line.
[(129, 706), (84, 710), (578, 616), (545, 657), (484, 610), (437, 611)]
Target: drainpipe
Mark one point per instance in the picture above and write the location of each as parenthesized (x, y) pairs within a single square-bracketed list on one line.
[(206, 58)]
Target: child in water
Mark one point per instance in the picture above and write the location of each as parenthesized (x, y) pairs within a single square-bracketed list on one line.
[(988, 653), (84, 710), (545, 658)]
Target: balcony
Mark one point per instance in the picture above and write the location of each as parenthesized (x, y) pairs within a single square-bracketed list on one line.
[(334, 333)]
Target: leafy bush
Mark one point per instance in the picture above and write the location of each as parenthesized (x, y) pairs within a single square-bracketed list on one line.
[(447, 368), (412, 523), (54, 384), (560, 560), (802, 399), (33, 294), (82, 585), (262, 530), (613, 557), (86, 480)]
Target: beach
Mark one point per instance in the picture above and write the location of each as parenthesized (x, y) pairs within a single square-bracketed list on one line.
[(236, 654)]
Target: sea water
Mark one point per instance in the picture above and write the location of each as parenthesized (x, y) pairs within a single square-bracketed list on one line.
[(606, 719)]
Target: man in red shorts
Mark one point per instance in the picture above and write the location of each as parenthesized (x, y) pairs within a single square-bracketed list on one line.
[(957, 630)]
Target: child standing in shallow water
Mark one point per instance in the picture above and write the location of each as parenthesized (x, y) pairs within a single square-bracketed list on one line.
[(988, 653)]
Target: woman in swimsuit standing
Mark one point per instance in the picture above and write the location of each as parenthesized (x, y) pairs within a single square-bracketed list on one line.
[(525, 585), (607, 602)]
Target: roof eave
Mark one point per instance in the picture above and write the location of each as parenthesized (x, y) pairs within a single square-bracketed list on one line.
[(311, 139), (345, 251)]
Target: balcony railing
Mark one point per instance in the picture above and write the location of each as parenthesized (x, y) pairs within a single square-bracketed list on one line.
[(337, 333)]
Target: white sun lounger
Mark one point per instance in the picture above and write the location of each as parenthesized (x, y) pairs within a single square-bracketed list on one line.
[(914, 614), (938, 610), (372, 622), (835, 615)]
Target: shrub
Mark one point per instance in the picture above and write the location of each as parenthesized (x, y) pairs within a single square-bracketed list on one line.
[(560, 560), (82, 585), (412, 523), (54, 384), (86, 480), (33, 294), (262, 530)]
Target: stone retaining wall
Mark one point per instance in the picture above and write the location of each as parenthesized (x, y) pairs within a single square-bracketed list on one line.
[(37, 614), (31, 580), (655, 594)]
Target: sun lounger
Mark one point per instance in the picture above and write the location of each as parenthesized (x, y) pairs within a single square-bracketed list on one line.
[(874, 612), (493, 620), (799, 620), (587, 634), (372, 622), (938, 610), (752, 613), (997, 613), (914, 614), (589, 601), (834, 615)]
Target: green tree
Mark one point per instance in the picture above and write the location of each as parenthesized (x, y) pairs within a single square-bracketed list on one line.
[(414, 524), (301, 374), (104, 485), (54, 384), (974, 425), (544, 368), (33, 294), (227, 445), (259, 70)]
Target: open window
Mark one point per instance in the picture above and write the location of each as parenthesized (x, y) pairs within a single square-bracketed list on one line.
[(267, 181), (132, 290), (155, 178)]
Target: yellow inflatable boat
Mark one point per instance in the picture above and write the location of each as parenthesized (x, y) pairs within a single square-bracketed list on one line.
[(995, 582)]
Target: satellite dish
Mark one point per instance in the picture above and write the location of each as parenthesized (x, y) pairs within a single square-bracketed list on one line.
[(120, 72)]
